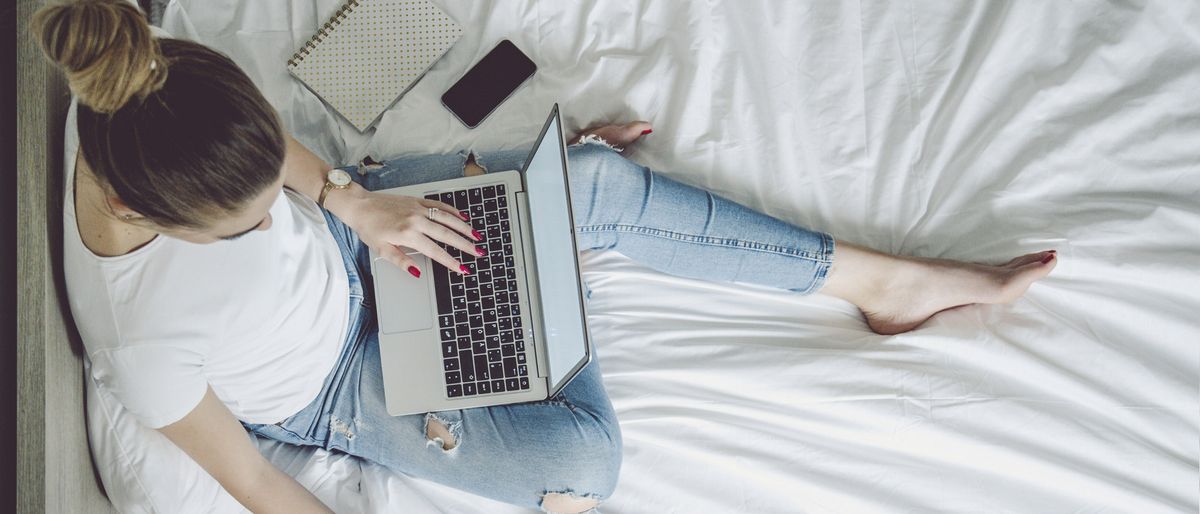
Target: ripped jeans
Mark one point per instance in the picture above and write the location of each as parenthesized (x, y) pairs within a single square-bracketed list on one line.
[(571, 443)]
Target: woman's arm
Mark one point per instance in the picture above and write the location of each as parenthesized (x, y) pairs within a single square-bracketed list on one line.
[(214, 439), (384, 222)]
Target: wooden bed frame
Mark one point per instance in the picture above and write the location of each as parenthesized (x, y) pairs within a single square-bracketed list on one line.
[(54, 465)]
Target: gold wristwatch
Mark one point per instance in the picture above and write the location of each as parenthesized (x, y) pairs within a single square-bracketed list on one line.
[(335, 179)]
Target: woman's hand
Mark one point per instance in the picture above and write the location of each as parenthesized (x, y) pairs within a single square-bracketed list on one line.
[(386, 222)]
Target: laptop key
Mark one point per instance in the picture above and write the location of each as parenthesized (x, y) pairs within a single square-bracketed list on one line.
[(464, 343), (446, 197), (476, 211), (459, 303), (521, 348), (510, 366), (476, 195), (451, 364), (431, 196), (448, 334), (454, 391), (485, 387), (521, 357), (500, 189), (512, 384), (446, 321), (479, 347), (502, 201), (498, 386), (489, 191), (478, 223), (453, 377), (490, 329), (504, 311), (460, 317), (508, 350), (469, 389), (496, 370), (449, 349), (522, 370), (481, 367), (524, 382), (494, 355), (467, 363), (462, 329), (489, 202), (493, 342), (460, 200), (488, 303)]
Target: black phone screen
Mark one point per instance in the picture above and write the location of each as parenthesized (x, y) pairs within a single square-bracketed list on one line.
[(487, 84)]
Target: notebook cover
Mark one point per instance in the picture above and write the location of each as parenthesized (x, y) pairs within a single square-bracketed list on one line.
[(371, 52)]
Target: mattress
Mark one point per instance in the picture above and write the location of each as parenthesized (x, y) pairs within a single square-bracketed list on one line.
[(965, 130)]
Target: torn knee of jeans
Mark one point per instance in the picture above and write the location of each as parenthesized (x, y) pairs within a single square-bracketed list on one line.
[(337, 426), (441, 433), (568, 502), (597, 140), (472, 167)]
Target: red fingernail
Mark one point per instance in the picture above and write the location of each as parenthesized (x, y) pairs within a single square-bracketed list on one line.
[(476, 235), (464, 216), (1048, 258), (464, 270), (412, 270), (479, 251), (647, 131)]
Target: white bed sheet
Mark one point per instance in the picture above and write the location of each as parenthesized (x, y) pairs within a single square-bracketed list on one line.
[(967, 130)]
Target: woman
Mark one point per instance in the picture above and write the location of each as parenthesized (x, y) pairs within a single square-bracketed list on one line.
[(211, 290)]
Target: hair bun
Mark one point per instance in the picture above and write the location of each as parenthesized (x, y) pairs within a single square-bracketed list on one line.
[(106, 49)]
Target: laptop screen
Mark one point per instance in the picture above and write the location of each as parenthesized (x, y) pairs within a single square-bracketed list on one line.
[(554, 247)]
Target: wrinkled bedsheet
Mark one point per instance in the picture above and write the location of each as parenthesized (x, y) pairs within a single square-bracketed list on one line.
[(970, 130)]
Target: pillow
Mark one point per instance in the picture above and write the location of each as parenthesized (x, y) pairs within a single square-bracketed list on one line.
[(141, 469)]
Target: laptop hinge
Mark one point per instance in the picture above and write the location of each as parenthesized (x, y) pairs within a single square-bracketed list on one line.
[(532, 292)]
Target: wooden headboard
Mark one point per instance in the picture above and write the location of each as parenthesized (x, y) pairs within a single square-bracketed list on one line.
[(54, 466)]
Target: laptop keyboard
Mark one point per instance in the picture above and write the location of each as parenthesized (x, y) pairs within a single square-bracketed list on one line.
[(479, 317)]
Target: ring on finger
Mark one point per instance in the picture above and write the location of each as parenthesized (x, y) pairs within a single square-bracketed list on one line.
[(432, 211)]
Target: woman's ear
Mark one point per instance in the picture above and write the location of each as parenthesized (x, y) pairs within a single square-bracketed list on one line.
[(122, 210)]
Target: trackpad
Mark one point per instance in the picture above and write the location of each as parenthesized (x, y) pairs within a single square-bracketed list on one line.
[(404, 300)]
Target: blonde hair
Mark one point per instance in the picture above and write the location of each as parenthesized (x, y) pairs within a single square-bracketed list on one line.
[(183, 150), (106, 50)]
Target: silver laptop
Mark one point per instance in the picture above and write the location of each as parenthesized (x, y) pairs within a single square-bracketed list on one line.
[(514, 329)]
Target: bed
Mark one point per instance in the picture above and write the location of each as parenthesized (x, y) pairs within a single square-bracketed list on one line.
[(967, 130)]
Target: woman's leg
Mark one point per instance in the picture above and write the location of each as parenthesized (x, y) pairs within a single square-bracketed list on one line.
[(687, 231)]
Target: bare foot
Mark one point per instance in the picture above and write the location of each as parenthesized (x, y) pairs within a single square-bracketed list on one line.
[(618, 136), (897, 294)]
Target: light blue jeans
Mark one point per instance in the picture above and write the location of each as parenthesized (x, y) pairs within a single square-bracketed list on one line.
[(570, 443)]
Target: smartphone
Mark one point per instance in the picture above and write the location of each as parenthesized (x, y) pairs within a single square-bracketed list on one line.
[(488, 84)]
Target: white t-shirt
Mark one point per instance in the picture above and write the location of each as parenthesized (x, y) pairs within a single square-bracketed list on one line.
[(261, 318)]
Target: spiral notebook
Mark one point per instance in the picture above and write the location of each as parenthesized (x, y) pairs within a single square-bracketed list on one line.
[(370, 53)]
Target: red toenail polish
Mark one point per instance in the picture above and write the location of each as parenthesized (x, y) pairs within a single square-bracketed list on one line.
[(464, 270), (475, 234), (412, 270), (647, 131), (1048, 258)]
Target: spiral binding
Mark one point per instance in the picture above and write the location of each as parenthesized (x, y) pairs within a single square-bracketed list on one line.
[(322, 32)]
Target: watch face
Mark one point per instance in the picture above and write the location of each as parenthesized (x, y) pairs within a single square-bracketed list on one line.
[(339, 178)]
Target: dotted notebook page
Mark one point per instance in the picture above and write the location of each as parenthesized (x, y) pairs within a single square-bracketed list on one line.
[(371, 52)]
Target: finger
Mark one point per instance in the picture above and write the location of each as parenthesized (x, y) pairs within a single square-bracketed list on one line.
[(452, 220), (400, 260), (435, 252), (439, 232), (635, 130), (462, 216)]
